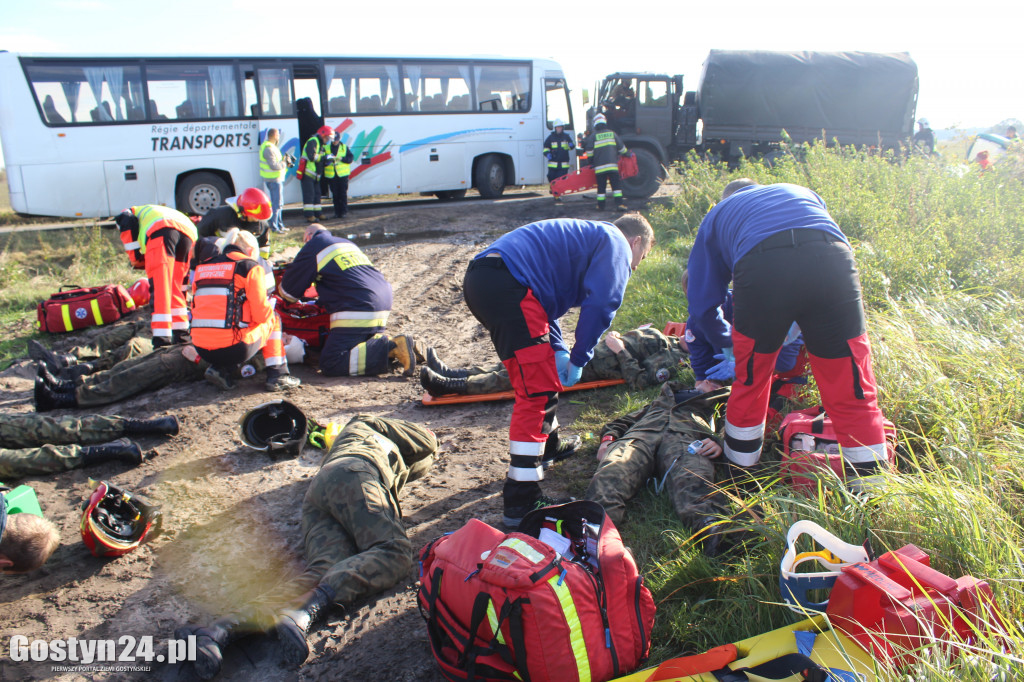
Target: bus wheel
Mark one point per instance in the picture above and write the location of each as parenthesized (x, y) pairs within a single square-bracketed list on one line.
[(648, 180), (489, 178), (451, 194), (200, 192)]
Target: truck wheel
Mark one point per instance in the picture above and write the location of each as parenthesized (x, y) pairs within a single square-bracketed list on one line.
[(489, 177), (648, 180), (451, 194), (200, 192)]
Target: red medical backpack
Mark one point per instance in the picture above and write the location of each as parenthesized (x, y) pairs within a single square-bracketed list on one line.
[(510, 607), (79, 308)]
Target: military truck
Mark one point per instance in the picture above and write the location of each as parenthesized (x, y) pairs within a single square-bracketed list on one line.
[(745, 99)]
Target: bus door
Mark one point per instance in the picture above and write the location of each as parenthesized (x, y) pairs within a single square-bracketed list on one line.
[(556, 103), (130, 182), (271, 96)]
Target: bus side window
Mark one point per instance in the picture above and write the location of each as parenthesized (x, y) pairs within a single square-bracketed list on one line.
[(69, 93), (503, 87)]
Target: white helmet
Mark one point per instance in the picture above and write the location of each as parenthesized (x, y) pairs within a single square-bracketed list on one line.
[(559, 123), (923, 122), (599, 119)]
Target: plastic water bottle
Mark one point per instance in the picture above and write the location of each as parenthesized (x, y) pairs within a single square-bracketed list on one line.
[(248, 371), (662, 375)]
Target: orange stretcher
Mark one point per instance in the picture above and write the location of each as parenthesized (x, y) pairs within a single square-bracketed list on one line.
[(458, 398)]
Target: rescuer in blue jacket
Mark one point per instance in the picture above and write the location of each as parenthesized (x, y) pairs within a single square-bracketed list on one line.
[(518, 288), (788, 262), (357, 296)]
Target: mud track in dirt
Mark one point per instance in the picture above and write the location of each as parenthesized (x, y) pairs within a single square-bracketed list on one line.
[(231, 528)]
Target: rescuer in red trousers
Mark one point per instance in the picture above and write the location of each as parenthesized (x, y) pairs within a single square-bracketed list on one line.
[(159, 240)]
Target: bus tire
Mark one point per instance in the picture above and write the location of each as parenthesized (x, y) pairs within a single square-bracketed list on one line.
[(489, 177), (451, 194), (200, 192), (648, 180)]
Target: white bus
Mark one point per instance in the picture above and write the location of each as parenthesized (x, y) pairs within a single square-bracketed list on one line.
[(89, 136)]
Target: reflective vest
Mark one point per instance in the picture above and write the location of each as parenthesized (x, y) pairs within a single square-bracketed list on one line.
[(222, 312), (148, 219), (337, 167), (312, 162), (266, 172)]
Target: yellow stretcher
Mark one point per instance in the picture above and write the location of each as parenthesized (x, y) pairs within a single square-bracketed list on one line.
[(831, 649)]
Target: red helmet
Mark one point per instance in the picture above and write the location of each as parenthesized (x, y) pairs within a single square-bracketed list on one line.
[(254, 204), (140, 292), (114, 522), (325, 130)]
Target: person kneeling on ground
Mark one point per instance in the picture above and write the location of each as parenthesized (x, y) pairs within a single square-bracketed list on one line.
[(233, 317), (26, 538), (655, 442), (355, 543), (359, 299), (643, 357), (32, 444)]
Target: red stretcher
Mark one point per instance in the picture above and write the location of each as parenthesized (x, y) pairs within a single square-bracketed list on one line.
[(585, 179), (671, 329)]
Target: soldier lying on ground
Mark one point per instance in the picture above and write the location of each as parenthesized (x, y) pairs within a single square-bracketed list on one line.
[(654, 442), (643, 357), (355, 543), (113, 345), (32, 444), (26, 538)]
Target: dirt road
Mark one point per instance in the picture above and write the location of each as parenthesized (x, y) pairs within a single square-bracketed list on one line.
[(232, 516)]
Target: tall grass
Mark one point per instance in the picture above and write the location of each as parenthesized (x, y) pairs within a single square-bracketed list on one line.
[(939, 251)]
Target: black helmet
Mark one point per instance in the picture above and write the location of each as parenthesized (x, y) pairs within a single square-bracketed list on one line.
[(275, 427)]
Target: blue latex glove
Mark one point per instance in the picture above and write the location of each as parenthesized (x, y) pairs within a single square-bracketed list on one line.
[(547, 156), (561, 361), (570, 376), (726, 368)]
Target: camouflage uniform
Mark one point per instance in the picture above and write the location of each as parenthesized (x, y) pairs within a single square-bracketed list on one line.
[(116, 344), (647, 351), (653, 441), (48, 445), (355, 542), (162, 367)]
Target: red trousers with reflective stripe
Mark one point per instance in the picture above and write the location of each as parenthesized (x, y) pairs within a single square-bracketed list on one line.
[(519, 328), (168, 252), (807, 277)]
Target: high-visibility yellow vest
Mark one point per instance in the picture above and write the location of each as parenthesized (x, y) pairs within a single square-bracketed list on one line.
[(336, 167), (266, 172)]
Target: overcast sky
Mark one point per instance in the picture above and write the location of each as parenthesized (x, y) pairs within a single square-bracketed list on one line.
[(969, 57)]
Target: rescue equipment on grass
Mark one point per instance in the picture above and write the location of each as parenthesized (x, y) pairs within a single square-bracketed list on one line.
[(115, 521), (833, 556), (276, 427), (810, 446), (80, 307), (513, 607)]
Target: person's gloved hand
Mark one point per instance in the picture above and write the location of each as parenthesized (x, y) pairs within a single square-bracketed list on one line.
[(726, 369), (571, 375), (548, 156), (561, 361)]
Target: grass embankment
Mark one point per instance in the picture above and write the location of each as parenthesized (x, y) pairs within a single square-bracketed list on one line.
[(940, 259)]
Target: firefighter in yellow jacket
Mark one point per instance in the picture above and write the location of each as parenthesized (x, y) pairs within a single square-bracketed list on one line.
[(232, 316), (159, 240)]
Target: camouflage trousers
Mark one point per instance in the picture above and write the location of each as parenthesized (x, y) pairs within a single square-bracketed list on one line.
[(117, 344), (41, 444), (494, 379), (162, 367), (661, 457)]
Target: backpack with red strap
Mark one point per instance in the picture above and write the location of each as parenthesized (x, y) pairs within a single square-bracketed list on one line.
[(81, 307), (559, 600)]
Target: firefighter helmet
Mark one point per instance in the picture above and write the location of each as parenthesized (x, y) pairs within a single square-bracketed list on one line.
[(114, 521), (559, 123), (254, 204), (327, 131), (599, 119), (836, 554), (140, 292), (275, 427)]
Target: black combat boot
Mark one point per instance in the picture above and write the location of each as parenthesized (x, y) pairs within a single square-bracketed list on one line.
[(161, 426), (76, 372), (47, 398), (435, 363), (54, 382), (292, 625), (438, 385), (120, 450), (278, 379), (53, 361), (212, 639), (557, 449), (403, 351)]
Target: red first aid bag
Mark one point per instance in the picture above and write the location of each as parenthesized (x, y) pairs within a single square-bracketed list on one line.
[(559, 601), (809, 444), (305, 319), (628, 166), (79, 308)]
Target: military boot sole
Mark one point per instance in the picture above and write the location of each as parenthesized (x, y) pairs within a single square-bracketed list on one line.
[(294, 647)]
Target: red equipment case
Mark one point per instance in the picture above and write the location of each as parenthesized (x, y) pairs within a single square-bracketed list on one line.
[(79, 308)]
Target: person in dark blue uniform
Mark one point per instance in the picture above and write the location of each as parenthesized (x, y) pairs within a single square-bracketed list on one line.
[(357, 296), (518, 288)]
